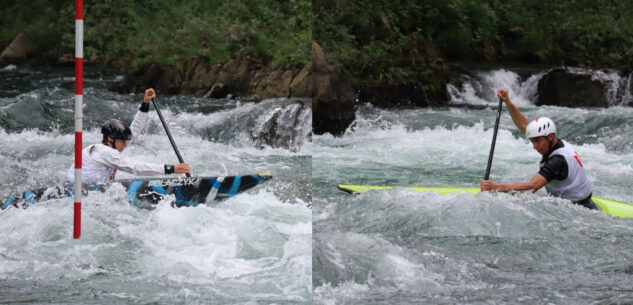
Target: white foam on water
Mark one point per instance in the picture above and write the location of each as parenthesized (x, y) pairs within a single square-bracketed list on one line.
[(465, 147), (250, 248), (255, 242), (372, 148), (481, 88), (344, 293), (409, 247)]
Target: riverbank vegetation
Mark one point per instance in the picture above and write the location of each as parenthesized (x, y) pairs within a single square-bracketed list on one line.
[(124, 33), (370, 38)]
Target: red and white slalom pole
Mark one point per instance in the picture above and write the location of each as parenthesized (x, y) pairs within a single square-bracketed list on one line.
[(79, 91)]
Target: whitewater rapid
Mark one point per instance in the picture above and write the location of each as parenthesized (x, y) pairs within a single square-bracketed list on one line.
[(255, 247), (405, 247)]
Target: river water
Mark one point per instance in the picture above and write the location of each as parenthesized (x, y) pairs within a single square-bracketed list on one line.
[(252, 248), (404, 247), (299, 240)]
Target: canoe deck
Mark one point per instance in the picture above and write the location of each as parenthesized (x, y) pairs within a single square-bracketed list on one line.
[(612, 207)]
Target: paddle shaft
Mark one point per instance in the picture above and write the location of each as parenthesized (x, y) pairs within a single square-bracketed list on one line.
[(171, 139), (494, 140)]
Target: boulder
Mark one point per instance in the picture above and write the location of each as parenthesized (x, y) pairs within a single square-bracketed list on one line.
[(301, 84), (193, 72), (234, 78), (394, 93), (18, 50), (289, 82), (287, 126), (333, 99), (166, 79), (237, 77), (417, 80), (271, 84), (561, 87)]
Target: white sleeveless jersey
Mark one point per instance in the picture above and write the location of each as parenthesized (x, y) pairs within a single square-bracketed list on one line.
[(100, 162), (577, 186)]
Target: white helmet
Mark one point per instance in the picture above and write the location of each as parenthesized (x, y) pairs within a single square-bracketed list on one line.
[(540, 127)]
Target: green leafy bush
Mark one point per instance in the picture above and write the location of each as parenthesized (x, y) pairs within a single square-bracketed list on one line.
[(123, 33), (366, 37)]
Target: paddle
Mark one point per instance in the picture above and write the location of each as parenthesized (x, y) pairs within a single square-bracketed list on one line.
[(171, 139), (494, 140)]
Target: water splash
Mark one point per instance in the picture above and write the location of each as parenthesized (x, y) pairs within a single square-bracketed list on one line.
[(404, 247), (479, 88), (255, 247), (287, 126)]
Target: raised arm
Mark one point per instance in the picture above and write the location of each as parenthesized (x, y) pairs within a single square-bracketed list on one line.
[(140, 118), (517, 117)]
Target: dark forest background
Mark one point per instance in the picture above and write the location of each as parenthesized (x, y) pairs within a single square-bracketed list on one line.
[(367, 39)]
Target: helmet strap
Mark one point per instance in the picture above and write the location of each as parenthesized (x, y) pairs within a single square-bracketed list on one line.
[(550, 145), (109, 143), (551, 142)]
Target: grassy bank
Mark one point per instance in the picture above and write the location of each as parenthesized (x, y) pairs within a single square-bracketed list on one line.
[(122, 33), (369, 38)]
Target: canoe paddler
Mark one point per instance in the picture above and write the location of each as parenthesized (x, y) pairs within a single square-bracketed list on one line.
[(100, 162), (560, 171)]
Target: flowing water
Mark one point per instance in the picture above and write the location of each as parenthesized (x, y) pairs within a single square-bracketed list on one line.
[(255, 247), (384, 247), (403, 247)]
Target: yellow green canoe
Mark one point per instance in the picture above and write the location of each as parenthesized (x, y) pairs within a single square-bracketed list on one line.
[(612, 207)]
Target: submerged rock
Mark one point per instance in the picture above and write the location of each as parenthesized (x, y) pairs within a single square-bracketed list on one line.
[(563, 87), (289, 126)]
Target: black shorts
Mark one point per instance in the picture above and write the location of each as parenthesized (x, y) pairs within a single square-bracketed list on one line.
[(588, 203)]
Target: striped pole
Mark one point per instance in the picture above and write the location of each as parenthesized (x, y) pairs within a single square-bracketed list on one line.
[(79, 91)]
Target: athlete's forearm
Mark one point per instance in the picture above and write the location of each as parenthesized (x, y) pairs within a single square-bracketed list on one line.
[(138, 124), (517, 117), (534, 184), (521, 186)]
